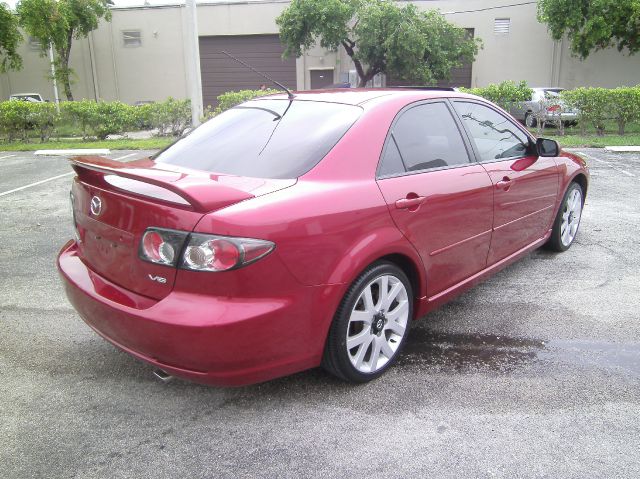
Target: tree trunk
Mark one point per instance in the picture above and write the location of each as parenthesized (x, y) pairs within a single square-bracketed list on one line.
[(621, 125), (67, 86), (63, 55), (363, 77)]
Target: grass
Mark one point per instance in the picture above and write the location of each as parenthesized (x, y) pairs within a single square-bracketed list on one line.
[(573, 139), (123, 144)]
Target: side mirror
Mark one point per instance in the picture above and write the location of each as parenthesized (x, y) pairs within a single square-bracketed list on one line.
[(547, 147)]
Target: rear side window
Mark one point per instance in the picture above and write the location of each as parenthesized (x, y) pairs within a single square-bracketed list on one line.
[(494, 135), (264, 139), (424, 137)]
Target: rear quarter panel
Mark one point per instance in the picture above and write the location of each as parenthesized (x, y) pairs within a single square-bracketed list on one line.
[(325, 232)]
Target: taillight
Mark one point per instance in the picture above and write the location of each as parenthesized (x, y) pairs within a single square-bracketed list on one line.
[(162, 246), (222, 253), (202, 252), (553, 108)]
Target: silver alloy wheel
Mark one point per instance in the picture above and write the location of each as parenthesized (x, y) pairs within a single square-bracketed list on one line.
[(378, 323), (572, 210)]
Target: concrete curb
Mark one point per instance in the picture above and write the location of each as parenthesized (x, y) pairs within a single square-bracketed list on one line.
[(79, 151), (623, 149)]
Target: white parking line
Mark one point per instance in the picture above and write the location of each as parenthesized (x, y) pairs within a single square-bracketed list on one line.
[(589, 157), (125, 156), (52, 178), (6, 156), (35, 184)]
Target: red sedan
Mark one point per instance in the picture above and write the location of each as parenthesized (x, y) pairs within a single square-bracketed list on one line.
[(285, 234)]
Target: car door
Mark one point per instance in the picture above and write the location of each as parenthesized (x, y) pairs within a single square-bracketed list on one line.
[(439, 198), (525, 185)]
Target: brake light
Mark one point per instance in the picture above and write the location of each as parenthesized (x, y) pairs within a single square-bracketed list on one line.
[(162, 246), (202, 252), (553, 108), (222, 253)]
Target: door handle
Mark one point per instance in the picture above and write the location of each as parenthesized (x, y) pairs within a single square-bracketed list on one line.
[(504, 184), (409, 203)]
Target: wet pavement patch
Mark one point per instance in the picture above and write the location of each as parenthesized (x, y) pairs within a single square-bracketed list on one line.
[(459, 353), (462, 352)]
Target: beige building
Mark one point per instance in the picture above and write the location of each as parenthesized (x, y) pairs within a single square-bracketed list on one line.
[(139, 56)]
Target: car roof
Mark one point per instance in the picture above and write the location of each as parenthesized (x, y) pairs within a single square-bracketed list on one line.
[(358, 96)]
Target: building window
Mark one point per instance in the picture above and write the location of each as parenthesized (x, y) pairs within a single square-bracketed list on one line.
[(34, 44), (501, 26), (132, 38)]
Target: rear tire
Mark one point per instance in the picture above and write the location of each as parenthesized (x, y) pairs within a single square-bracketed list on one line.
[(565, 226), (370, 325)]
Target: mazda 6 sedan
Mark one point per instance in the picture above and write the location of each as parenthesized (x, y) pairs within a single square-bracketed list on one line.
[(290, 233)]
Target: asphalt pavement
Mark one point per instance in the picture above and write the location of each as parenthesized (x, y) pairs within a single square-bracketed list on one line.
[(534, 373)]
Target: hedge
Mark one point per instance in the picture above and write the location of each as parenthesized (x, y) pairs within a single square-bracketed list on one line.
[(596, 105), (19, 119), (505, 94), (170, 117), (232, 98)]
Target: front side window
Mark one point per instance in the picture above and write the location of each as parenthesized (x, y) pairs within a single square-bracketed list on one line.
[(494, 135), (264, 138), (423, 137)]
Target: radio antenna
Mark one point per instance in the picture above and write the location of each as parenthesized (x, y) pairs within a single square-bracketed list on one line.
[(279, 85)]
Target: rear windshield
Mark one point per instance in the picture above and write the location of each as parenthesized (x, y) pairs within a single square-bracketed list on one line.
[(264, 138)]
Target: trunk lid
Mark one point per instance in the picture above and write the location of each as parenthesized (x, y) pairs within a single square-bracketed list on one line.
[(114, 203)]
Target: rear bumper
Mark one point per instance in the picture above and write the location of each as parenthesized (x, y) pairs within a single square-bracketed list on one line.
[(564, 116), (213, 340)]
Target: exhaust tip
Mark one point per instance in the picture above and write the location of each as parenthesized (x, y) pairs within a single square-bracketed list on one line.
[(163, 376)]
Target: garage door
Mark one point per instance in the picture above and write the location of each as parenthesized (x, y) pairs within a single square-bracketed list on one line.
[(221, 74)]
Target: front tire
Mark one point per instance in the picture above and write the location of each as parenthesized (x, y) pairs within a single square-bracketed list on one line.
[(370, 325), (565, 226)]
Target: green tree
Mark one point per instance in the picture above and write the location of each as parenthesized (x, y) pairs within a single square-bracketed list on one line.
[(593, 25), (9, 39), (59, 22), (380, 37)]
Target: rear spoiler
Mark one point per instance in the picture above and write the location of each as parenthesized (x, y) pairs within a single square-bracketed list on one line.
[(200, 192)]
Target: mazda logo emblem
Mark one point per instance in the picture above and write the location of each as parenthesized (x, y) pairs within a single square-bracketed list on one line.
[(96, 206)]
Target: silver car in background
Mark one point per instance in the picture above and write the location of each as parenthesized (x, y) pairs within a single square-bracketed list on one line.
[(30, 97), (545, 105)]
